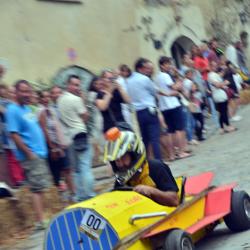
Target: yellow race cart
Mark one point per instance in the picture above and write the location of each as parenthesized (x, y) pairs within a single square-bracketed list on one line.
[(123, 219)]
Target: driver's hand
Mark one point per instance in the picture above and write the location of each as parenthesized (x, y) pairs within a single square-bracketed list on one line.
[(144, 190)]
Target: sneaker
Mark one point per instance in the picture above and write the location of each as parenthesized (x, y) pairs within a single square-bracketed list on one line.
[(236, 118), (193, 142), (202, 139), (6, 191)]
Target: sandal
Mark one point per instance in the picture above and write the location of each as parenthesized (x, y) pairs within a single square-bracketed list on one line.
[(188, 151), (231, 130), (183, 156), (171, 159)]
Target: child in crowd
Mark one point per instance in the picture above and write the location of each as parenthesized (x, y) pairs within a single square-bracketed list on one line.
[(195, 106)]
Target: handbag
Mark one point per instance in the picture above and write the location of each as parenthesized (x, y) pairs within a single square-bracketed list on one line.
[(230, 93), (80, 142)]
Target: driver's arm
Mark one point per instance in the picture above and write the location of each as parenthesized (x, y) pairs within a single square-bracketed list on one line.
[(166, 198)]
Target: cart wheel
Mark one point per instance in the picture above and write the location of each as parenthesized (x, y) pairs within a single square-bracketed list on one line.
[(178, 239), (239, 218)]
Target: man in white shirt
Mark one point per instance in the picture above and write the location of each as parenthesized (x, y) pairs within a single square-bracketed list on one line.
[(73, 114), (171, 109)]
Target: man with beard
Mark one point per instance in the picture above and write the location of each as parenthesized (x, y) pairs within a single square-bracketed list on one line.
[(31, 151)]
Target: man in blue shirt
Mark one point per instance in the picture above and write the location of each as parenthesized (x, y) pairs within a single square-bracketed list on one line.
[(143, 93), (31, 151)]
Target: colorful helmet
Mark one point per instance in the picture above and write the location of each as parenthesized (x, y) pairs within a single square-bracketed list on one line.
[(118, 144)]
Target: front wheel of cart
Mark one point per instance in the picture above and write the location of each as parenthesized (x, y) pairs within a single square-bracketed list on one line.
[(178, 239), (239, 217)]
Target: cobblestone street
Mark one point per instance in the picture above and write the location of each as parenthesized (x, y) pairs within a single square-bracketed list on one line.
[(226, 155)]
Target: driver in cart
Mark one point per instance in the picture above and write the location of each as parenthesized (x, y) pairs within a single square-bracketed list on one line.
[(152, 178)]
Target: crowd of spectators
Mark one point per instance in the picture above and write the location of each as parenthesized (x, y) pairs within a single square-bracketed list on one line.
[(52, 135)]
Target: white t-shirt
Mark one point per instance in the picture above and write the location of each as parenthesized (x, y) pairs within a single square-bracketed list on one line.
[(71, 107), (218, 94), (238, 81), (187, 85), (164, 82), (121, 81), (125, 107), (231, 55)]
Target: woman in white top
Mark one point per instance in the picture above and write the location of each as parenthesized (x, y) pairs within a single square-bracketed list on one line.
[(218, 86)]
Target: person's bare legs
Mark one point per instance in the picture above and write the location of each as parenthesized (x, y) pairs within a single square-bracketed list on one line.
[(38, 206), (233, 106), (69, 181), (184, 140), (236, 102), (170, 143), (182, 143), (179, 141)]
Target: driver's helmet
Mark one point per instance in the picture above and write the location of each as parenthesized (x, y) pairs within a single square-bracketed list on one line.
[(118, 144)]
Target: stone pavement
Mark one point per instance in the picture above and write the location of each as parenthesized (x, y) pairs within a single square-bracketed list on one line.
[(228, 156)]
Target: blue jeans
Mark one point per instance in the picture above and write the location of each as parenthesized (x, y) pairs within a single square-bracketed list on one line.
[(189, 123), (150, 130), (213, 110), (83, 175)]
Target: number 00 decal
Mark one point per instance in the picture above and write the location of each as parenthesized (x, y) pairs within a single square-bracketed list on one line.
[(92, 224)]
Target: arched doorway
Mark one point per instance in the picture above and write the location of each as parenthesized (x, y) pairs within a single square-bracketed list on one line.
[(179, 47)]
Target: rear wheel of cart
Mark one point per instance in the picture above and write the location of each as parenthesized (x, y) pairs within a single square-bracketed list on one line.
[(178, 239), (239, 218)]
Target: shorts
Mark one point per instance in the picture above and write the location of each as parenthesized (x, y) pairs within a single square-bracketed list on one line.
[(37, 174), (174, 119)]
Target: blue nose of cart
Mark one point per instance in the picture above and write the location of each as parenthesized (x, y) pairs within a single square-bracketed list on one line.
[(80, 229)]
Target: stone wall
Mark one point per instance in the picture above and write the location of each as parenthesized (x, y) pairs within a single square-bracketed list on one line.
[(36, 36)]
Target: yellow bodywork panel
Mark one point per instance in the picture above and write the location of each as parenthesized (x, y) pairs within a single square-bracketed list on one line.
[(117, 207), (179, 181), (184, 218)]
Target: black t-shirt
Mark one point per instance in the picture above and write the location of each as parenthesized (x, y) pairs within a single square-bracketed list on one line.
[(229, 76), (161, 175), (114, 108)]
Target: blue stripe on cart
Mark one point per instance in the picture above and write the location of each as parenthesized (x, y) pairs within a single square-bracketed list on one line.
[(64, 234)]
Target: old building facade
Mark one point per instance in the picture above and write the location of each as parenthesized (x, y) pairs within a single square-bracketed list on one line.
[(40, 36)]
